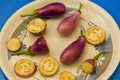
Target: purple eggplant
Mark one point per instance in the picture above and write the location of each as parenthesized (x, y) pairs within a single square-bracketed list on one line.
[(50, 10), (38, 47), (68, 24), (88, 66), (73, 51)]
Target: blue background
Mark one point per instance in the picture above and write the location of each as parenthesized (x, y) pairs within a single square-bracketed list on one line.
[(8, 7)]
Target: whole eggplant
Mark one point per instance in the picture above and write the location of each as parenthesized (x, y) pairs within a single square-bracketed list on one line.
[(38, 47), (68, 24), (50, 10), (73, 51)]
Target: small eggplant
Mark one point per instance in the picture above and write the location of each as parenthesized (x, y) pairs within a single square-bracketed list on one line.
[(73, 51), (39, 46), (88, 66), (50, 10), (68, 24)]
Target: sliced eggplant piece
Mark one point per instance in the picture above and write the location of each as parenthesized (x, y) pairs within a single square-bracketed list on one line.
[(48, 66), (14, 44), (25, 68), (95, 35), (37, 26)]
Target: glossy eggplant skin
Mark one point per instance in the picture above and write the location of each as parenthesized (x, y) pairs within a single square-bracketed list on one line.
[(39, 46), (68, 24), (73, 51), (52, 10), (91, 61)]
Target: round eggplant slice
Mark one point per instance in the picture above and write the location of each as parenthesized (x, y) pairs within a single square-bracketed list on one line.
[(37, 26), (25, 68), (87, 67), (48, 66), (14, 44), (65, 75), (95, 35)]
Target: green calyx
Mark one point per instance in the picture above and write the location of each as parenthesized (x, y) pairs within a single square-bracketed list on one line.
[(34, 13), (98, 55), (80, 7), (82, 33), (23, 52)]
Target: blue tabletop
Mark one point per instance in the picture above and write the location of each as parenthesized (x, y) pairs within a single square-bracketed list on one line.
[(8, 8)]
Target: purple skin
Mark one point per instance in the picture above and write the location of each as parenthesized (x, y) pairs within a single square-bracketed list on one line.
[(51, 10), (40, 46), (73, 51), (92, 62), (90, 69), (68, 24)]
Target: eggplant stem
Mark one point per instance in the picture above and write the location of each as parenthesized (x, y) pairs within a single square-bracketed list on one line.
[(82, 31), (79, 9), (98, 55), (34, 13), (26, 52)]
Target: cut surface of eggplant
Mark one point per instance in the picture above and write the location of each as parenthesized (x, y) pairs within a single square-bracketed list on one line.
[(25, 68), (48, 66), (95, 35), (37, 26)]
